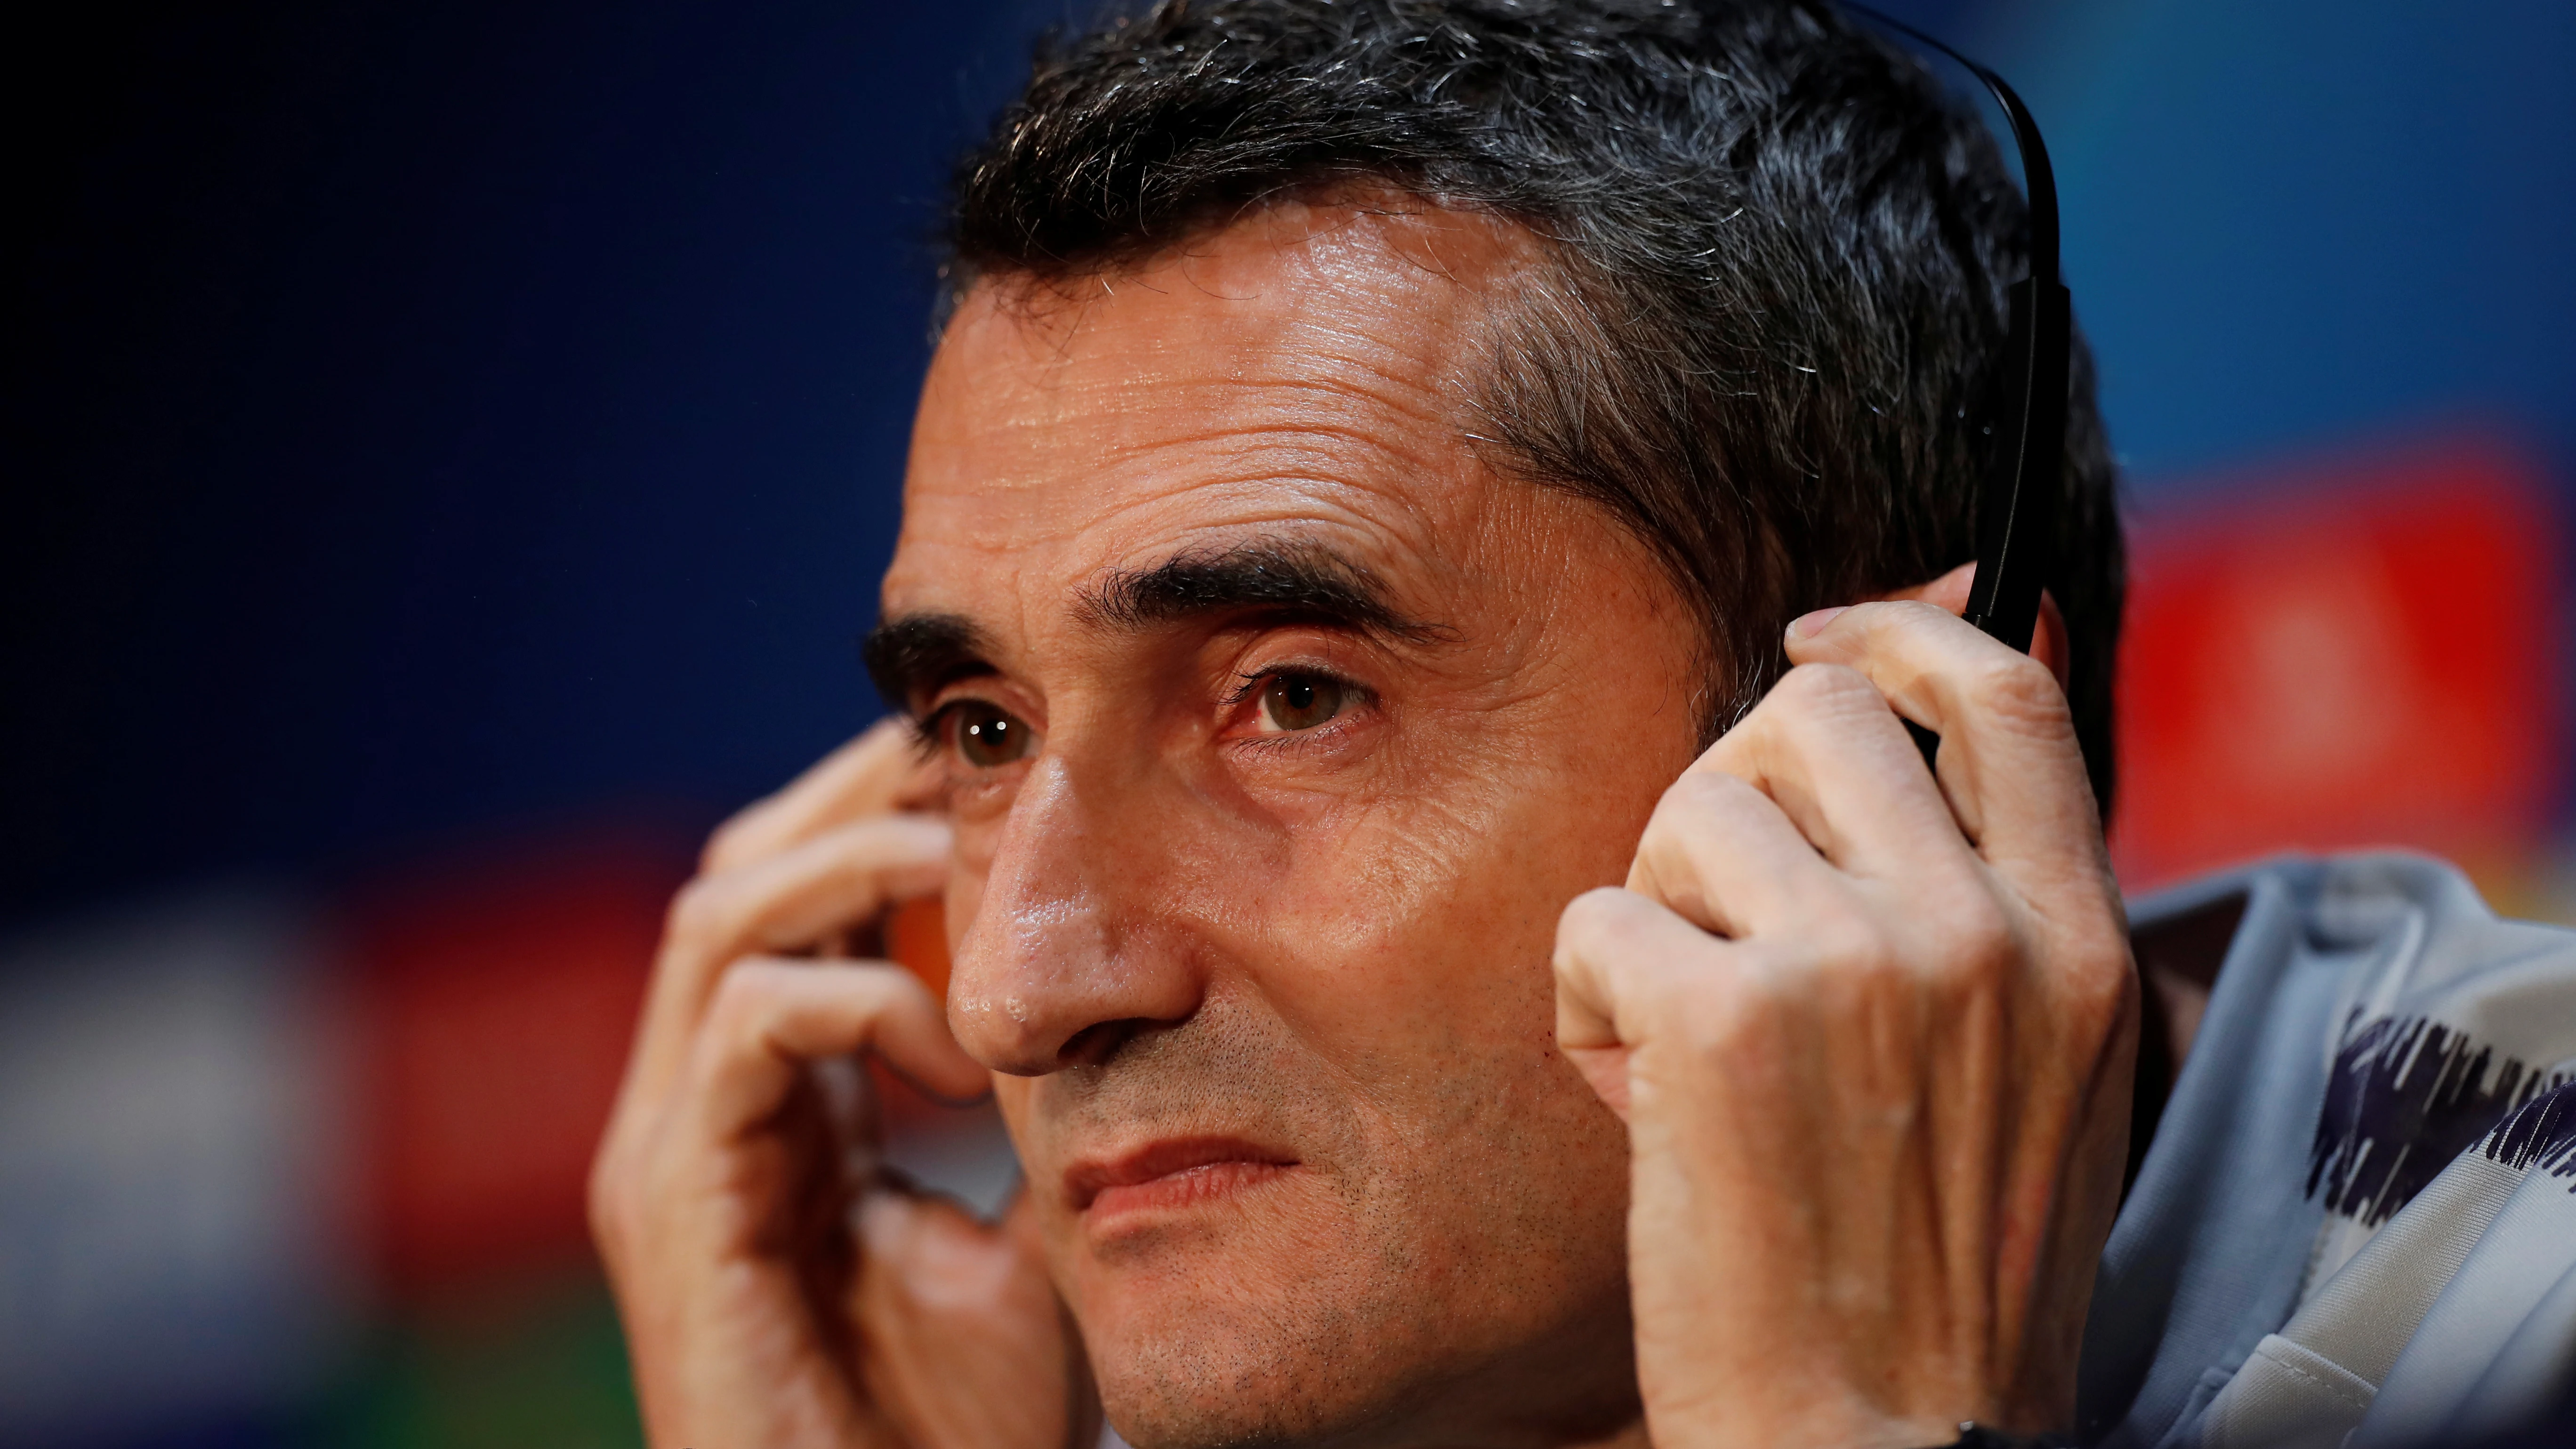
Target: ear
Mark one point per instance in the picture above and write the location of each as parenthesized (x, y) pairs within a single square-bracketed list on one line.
[(1950, 591)]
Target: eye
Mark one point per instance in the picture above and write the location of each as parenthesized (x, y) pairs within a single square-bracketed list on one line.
[(989, 736), (1292, 702)]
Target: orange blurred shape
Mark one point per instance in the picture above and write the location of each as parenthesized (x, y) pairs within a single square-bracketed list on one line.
[(494, 1005), (916, 938), (2355, 655)]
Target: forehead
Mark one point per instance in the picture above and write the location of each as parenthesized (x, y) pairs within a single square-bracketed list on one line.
[(1304, 372)]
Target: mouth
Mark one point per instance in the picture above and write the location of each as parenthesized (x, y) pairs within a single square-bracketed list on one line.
[(1179, 1172)]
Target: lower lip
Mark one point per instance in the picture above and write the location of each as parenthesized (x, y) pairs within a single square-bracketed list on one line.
[(1190, 1187)]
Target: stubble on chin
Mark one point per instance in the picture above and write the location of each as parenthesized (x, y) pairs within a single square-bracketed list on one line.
[(1433, 1226)]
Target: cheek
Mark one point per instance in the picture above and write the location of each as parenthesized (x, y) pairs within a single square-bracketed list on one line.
[(1011, 1095), (965, 892), (970, 867), (1420, 943), (1448, 886), (1412, 950)]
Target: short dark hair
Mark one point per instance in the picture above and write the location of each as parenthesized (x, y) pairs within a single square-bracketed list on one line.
[(1777, 251)]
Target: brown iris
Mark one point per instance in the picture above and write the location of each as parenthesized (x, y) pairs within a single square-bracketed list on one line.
[(1301, 701), (989, 736)]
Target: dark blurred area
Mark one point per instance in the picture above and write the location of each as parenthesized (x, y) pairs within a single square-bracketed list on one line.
[(425, 418), (450, 453)]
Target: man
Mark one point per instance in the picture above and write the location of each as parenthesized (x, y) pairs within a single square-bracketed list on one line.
[(1439, 883)]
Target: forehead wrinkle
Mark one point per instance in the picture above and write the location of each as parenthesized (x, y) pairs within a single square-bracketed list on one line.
[(1394, 394), (1391, 415), (1286, 454), (1373, 393), (1341, 443)]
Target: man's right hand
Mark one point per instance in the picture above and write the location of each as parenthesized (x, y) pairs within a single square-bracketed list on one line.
[(776, 1288)]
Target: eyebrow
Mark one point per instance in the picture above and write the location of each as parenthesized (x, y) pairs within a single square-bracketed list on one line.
[(911, 656), (1303, 582)]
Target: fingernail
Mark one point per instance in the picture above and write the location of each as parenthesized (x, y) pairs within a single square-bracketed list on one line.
[(1806, 624)]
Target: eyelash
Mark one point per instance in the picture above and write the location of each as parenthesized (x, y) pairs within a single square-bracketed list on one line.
[(1250, 687), (930, 731), (926, 728)]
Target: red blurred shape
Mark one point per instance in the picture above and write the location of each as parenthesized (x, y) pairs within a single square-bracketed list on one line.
[(494, 1008), (2360, 654), (916, 938)]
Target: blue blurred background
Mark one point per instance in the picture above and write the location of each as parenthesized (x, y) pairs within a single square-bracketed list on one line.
[(451, 451)]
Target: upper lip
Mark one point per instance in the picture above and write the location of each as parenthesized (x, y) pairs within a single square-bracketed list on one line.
[(1086, 1179)]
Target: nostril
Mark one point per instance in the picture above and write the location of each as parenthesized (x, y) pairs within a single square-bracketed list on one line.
[(1097, 1043)]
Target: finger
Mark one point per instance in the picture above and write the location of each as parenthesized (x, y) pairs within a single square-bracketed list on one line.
[(962, 1334), (932, 1241), (1949, 593), (871, 774), (853, 1112), (772, 1017), (788, 901), (1723, 856), (2009, 763), (1825, 745), (1618, 955), (821, 887)]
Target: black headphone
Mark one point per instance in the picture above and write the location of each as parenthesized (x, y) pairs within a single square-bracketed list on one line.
[(2017, 516)]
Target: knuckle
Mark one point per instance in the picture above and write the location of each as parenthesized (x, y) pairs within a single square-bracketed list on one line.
[(614, 1202), (742, 996), (2021, 688), (1615, 931), (2102, 984), (1683, 803), (1968, 918), (606, 1201), (724, 847), (733, 843), (695, 908), (1592, 924), (1699, 793), (2104, 1001)]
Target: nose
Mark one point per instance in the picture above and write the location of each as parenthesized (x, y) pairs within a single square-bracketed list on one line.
[(1064, 957)]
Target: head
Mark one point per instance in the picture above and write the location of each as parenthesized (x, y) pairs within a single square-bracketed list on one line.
[(1371, 448)]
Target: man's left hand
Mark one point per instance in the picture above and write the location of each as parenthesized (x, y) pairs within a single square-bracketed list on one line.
[(1872, 1034)]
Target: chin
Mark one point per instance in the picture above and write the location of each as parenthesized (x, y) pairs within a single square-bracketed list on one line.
[(1271, 1317), (1283, 1316), (1201, 1379)]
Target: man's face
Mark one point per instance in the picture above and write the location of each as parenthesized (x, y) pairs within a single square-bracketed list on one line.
[(1277, 731)]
